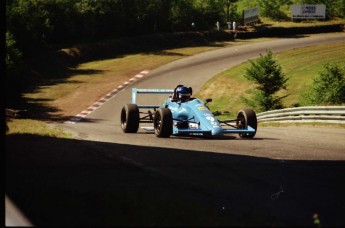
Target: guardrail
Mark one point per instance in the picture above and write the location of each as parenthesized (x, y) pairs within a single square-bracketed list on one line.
[(322, 114)]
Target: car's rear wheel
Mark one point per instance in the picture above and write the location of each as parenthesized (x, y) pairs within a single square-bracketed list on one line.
[(246, 117), (130, 118), (162, 123)]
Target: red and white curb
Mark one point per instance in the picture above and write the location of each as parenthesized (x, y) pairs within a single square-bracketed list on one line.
[(107, 97)]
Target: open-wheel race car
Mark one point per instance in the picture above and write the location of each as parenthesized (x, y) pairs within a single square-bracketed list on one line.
[(182, 115)]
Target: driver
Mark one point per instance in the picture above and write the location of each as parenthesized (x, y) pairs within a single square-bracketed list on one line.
[(183, 93)]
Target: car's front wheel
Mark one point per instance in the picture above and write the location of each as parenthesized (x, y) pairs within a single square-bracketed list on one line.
[(246, 117), (130, 118), (162, 123)]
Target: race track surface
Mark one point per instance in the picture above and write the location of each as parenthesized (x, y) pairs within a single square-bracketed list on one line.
[(284, 176), (277, 143)]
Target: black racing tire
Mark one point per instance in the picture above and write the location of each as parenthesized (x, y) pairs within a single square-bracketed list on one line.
[(163, 122), (246, 117), (130, 118)]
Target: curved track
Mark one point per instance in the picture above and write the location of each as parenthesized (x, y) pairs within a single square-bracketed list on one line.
[(277, 143), (282, 177)]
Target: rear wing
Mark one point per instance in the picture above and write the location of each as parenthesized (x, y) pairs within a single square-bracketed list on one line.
[(136, 91)]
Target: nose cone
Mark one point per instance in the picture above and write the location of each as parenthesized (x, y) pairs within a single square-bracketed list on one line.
[(217, 130)]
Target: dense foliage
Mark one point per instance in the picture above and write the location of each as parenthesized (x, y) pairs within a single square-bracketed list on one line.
[(14, 67), (38, 23), (271, 8), (267, 74), (41, 22)]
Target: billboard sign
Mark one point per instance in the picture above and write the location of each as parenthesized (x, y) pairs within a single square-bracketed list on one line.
[(250, 15), (308, 11)]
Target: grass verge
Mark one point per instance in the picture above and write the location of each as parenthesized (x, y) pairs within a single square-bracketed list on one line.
[(35, 127), (92, 80), (303, 23), (300, 65)]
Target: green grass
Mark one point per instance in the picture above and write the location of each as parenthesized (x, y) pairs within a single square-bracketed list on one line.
[(304, 65), (300, 65), (35, 127), (111, 70)]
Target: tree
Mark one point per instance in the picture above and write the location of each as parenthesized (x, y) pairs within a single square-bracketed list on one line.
[(13, 55), (271, 8), (228, 4), (329, 87), (14, 67), (267, 73), (182, 14)]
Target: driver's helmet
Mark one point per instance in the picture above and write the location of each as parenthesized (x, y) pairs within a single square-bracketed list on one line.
[(183, 93)]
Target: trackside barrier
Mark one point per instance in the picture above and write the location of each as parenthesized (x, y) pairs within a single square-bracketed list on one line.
[(322, 114)]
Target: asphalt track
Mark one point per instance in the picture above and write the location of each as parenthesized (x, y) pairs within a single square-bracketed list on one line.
[(277, 143), (286, 172)]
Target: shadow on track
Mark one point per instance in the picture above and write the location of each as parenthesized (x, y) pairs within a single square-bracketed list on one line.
[(58, 181)]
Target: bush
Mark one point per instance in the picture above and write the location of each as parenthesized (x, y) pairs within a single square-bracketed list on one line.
[(329, 87), (267, 73)]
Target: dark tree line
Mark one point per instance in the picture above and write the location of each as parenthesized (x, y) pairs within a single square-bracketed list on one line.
[(44, 22), (37, 23)]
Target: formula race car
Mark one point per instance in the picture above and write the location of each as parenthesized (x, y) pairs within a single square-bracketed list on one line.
[(182, 115)]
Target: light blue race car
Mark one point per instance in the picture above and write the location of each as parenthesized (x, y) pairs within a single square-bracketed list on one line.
[(181, 114)]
